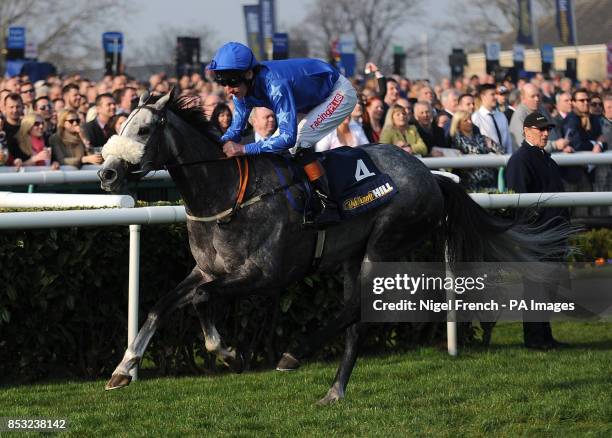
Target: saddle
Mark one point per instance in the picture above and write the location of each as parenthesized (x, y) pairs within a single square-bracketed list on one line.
[(356, 185)]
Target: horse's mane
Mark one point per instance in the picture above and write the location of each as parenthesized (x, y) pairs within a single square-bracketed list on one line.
[(189, 110)]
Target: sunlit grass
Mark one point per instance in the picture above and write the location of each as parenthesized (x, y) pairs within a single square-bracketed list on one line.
[(505, 390)]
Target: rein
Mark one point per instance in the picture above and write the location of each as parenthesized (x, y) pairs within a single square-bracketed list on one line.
[(243, 181), (226, 216), (242, 162)]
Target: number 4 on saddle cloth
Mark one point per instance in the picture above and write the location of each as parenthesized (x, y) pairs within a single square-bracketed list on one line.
[(355, 182), (356, 185)]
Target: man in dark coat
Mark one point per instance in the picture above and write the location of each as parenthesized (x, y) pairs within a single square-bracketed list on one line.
[(583, 130), (97, 132), (532, 170), (13, 112)]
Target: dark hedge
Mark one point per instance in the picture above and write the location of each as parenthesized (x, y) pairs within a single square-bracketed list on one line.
[(63, 307)]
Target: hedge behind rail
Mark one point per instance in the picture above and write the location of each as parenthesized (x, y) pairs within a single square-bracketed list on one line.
[(63, 307)]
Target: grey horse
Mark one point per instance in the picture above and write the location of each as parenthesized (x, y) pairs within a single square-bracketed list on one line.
[(263, 247)]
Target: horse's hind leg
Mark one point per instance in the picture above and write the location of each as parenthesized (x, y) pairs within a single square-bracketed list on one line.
[(354, 336), (204, 301), (173, 300), (349, 315), (204, 307)]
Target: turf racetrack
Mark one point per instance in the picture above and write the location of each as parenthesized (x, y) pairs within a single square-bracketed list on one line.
[(504, 390)]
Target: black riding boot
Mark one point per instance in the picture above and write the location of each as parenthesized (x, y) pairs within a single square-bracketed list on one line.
[(325, 209)]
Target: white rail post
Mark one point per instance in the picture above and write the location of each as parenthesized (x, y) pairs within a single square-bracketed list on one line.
[(134, 285), (451, 326)]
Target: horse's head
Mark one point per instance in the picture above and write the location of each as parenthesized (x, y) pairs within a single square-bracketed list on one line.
[(136, 150)]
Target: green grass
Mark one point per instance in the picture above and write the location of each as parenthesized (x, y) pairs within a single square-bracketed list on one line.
[(505, 390)]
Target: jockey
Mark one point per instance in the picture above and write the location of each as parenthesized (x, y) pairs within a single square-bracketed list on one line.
[(288, 87)]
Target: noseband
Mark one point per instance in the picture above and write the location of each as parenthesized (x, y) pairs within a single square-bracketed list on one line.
[(160, 124), (242, 164)]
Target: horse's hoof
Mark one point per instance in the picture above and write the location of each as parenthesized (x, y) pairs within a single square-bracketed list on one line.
[(236, 364), (332, 396), (118, 381), (287, 363)]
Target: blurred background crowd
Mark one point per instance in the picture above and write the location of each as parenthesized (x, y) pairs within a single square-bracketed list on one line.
[(66, 120)]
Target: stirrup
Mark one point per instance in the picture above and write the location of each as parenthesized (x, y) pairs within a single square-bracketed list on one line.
[(326, 213)]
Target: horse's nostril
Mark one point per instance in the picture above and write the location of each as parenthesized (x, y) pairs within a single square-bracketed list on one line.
[(108, 175)]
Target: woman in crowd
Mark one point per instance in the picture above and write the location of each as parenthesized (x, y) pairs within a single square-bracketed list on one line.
[(397, 131), (466, 140), (221, 118), (348, 133), (375, 110), (32, 149), (67, 145)]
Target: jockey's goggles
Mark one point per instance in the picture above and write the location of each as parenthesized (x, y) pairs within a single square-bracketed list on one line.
[(232, 79)]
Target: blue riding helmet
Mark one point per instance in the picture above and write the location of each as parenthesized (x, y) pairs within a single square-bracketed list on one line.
[(233, 56)]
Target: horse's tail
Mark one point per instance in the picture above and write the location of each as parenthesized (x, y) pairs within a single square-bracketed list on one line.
[(472, 234)]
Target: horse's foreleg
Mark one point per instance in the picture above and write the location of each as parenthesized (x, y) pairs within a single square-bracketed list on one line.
[(173, 300), (354, 335)]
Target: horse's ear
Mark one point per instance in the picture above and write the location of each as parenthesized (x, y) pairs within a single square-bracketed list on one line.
[(144, 97), (159, 105)]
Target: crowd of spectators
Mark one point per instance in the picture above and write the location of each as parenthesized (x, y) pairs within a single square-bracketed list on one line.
[(66, 120)]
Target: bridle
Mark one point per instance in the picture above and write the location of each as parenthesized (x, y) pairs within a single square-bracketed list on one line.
[(242, 163)]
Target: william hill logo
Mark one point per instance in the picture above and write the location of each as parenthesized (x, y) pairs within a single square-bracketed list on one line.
[(372, 195)]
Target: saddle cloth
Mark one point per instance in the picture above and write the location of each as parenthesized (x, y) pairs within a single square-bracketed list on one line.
[(355, 182)]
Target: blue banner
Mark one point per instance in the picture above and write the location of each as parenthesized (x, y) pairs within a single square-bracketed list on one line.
[(280, 42), (112, 42), (13, 68), (267, 27), (251, 22), (16, 38), (518, 53), (566, 26), (348, 59), (547, 53), (347, 64), (525, 25)]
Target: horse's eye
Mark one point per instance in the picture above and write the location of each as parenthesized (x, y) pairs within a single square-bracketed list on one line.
[(144, 130)]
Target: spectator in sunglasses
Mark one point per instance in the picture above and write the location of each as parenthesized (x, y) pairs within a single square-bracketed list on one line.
[(42, 107), (596, 106), (582, 128), (27, 92), (33, 150), (67, 145)]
